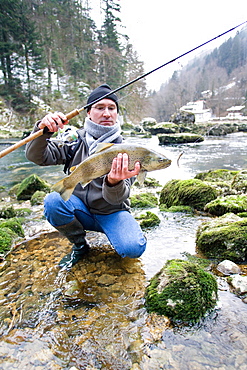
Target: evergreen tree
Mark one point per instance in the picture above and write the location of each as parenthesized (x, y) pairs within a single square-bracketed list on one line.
[(111, 61)]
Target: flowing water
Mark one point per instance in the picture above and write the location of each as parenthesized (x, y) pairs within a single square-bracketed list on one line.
[(93, 317)]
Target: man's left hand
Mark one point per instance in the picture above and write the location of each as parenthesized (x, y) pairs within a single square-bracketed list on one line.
[(120, 169)]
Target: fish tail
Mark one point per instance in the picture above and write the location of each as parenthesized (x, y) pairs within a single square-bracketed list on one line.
[(60, 188)]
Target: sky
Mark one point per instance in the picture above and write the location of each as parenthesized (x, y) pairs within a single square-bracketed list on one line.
[(162, 30)]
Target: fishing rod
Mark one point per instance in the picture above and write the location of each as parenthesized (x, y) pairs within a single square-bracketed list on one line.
[(75, 112)]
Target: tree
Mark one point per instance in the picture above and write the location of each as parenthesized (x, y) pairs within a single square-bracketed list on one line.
[(111, 61)]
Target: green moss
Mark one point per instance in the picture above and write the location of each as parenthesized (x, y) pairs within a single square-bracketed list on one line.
[(239, 182), (217, 175), (227, 204), (183, 291), (149, 182), (30, 185), (194, 193), (38, 197), (180, 138), (20, 212), (149, 219), (7, 212), (173, 209), (223, 240), (6, 239), (144, 200), (14, 225)]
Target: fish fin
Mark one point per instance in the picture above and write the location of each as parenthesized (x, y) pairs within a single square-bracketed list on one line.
[(84, 184), (103, 146), (62, 190), (141, 177)]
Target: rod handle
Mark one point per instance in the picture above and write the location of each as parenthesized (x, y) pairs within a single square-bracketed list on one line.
[(21, 142), (72, 114)]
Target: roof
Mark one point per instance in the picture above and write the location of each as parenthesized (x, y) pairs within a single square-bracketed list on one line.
[(235, 108)]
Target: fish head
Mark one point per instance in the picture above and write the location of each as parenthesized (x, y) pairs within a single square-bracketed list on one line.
[(155, 161)]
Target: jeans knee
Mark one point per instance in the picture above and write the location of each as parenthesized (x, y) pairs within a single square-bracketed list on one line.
[(134, 250), (55, 210)]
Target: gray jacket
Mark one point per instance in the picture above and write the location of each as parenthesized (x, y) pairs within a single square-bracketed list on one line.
[(97, 196)]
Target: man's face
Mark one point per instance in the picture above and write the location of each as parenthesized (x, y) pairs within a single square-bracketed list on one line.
[(104, 112)]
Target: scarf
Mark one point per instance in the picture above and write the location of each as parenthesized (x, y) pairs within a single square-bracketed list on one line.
[(96, 134)]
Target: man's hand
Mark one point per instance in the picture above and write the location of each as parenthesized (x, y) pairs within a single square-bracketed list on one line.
[(120, 171), (54, 121)]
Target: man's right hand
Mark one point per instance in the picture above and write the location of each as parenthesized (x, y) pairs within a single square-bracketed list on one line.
[(54, 121)]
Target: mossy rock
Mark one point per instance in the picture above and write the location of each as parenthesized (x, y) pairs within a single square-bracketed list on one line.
[(144, 200), (194, 193), (14, 225), (239, 182), (149, 182), (149, 219), (227, 204), (30, 185), (223, 238), (217, 175), (6, 239), (180, 138), (23, 212), (38, 197), (148, 122), (164, 128), (174, 209), (7, 212), (182, 291)]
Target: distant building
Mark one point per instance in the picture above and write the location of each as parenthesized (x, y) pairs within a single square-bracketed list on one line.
[(198, 109), (235, 112)]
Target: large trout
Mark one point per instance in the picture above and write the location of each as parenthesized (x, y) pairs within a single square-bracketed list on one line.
[(99, 164)]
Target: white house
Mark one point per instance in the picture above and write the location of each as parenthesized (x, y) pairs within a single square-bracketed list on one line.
[(198, 109), (235, 112)]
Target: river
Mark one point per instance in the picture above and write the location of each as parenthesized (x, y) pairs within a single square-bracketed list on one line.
[(103, 324)]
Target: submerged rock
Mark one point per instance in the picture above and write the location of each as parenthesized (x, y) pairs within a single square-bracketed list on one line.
[(182, 291)]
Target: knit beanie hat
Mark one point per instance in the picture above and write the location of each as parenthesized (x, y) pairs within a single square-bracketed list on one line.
[(100, 92)]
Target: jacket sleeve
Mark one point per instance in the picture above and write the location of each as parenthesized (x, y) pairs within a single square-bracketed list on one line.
[(119, 193), (43, 152)]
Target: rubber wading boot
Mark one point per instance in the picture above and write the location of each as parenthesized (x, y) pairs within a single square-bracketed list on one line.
[(76, 235)]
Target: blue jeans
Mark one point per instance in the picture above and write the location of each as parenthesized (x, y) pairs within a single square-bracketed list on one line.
[(122, 230)]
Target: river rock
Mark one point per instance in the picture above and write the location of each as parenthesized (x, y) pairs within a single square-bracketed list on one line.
[(227, 267), (239, 283), (227, 204), (223, 238), (179, 138), (194, 193), (239, 182), (164, 128), (29, 186), (182, 291)]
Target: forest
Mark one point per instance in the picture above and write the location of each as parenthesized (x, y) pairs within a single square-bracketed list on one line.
[(52, 54), (53, 51)]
